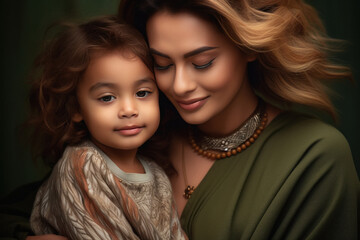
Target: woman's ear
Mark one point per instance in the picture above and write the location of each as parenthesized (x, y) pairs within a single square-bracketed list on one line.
[(77, 117)]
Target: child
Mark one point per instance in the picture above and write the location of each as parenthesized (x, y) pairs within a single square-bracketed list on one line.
[(97, 103)]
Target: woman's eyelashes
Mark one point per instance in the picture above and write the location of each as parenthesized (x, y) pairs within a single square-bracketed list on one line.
[(196, 66), (203, 66), (162, 67)]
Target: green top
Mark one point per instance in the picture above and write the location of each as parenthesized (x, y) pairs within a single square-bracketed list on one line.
[(296, 181)]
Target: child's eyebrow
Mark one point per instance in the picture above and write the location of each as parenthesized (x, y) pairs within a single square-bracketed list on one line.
[(114, 86), (102, 84), (144, 80)]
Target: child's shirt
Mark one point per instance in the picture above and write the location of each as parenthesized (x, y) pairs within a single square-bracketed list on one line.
[(88, 197)]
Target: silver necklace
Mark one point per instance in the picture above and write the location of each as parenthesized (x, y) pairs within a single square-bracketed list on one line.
[(235, 139)]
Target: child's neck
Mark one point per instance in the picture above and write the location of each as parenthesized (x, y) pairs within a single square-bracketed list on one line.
[(125, 159)]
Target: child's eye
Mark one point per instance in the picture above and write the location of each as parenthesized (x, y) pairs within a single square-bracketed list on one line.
[(204, 65), (159, 67), (142, 94), (107, 98)]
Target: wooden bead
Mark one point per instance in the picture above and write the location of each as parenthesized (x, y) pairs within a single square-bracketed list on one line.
[(243, 146), (255, 135), (238, 149), (247, 143), (218, 156), (223, 155), (252, 140), (258, 131), (228, 153), (233, 151)]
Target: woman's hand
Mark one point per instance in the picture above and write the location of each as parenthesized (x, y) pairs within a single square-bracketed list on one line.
[(47, 236)]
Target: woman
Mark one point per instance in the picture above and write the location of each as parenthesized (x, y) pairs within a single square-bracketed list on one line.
[(244, 168)]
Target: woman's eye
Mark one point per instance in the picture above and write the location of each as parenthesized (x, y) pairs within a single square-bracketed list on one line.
[(142, 94), (107, 98), (160, 67), (204, 65)]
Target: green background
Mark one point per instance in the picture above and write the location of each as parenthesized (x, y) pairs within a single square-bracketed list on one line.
[(23, 24)]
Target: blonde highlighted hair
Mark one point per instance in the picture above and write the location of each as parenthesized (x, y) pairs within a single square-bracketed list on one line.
[(287, 36)]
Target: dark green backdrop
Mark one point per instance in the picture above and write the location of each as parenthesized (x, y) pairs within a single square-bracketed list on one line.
[(23, 23)]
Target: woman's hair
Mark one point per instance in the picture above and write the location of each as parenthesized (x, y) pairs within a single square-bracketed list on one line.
[(59, 68), (287, 37)]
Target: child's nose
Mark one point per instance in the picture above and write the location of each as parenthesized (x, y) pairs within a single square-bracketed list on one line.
[(128, 109)]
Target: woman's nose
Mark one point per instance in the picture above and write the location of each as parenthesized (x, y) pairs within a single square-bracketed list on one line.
[(183, 82), (128, 108)]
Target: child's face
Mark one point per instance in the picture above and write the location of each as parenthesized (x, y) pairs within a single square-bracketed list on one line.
[(118, 101)]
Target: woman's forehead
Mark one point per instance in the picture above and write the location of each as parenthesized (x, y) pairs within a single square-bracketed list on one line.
[(165, 26)]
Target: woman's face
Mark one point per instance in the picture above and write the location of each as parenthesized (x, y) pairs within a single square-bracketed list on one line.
[(200, 70)]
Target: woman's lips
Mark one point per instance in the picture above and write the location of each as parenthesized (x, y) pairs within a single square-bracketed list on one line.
[(193, 104), (129, 130)]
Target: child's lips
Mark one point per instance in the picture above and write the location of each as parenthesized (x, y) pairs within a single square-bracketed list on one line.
[(129, 130)]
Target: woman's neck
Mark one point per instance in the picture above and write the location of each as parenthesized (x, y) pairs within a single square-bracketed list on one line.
[(236, 112)]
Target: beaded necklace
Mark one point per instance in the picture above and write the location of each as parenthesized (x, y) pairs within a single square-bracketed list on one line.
[(219, 148)]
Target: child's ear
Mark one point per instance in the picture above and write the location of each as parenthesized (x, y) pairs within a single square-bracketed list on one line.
[(77, 117)]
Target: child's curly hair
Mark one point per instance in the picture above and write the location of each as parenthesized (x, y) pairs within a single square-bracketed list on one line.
[(61, 65)]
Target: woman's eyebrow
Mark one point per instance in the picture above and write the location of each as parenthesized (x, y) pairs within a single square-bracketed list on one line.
[(186, 55), (198, 50)]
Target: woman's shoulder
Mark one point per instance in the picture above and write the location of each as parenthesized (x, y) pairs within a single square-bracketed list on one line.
[(298, 138), (297, 146), (305, 129)]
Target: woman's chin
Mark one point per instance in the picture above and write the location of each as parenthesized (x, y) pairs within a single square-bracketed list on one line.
[(194, 118)]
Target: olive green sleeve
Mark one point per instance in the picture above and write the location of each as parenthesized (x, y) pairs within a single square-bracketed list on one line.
[(321, 195)]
